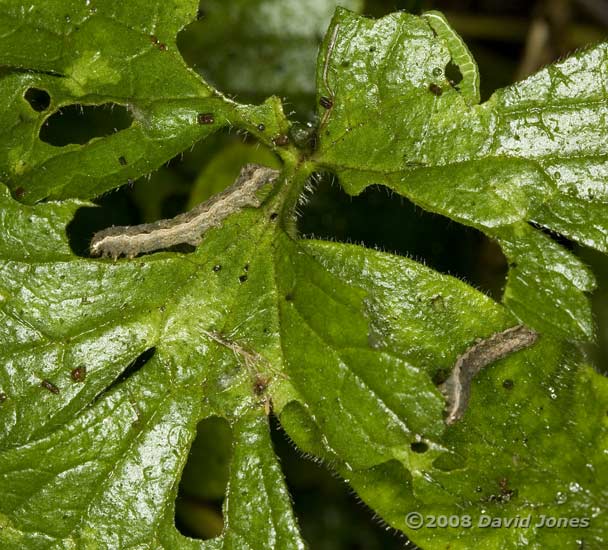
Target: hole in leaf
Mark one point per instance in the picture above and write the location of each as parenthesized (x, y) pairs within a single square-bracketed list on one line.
[(555, 236), (198, 507), (39, 100), (162, 194), (114, 209), (419, 447), (381, 219), (328, 513), (186, 180), (139, 362), (79, 124), (134, 367), (453, 74), (598, 262)]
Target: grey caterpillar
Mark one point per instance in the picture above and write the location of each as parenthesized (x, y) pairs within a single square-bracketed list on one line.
[(457, 388), (186, 228)]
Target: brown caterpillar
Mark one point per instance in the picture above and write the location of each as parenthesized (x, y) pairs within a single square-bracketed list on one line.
[(457, 388), (186, 228)]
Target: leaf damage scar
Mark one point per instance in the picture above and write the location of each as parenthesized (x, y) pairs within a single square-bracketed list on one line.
[(48, 385), (186, 228), (260, 381), (457, 388)]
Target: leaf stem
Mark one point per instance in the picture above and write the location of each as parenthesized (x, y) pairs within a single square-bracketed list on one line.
[(295, 176)]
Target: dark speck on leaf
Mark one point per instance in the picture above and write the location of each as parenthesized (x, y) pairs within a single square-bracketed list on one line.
[(19, 192), (260, 385), (246, 267), (435, 89), (326, 102), (261, 127), (205, 118), (273, 216), (281, 140), (48, 385), (243, 278), (162, 47), (153, 39), (217, 268), (508, 384), (2, 397), (288, 297), (122, 160), (79, 373)]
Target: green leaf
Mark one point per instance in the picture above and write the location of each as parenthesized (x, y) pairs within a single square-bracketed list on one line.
[(88, 54), (257, 507), (534, 152), (119, 440), (532, 441), (108, 367)]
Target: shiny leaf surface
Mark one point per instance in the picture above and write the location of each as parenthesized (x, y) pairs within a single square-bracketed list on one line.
[(533, 153), (107, 368)]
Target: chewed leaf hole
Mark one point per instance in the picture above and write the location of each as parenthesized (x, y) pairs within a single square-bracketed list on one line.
[(419, 447), (198, 507), (79, 124), (39, 100), (185, 181), (379, 218), (158, 195), (554, 236), (453, 73), (135, 366), (131, 369), (114, 209)]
